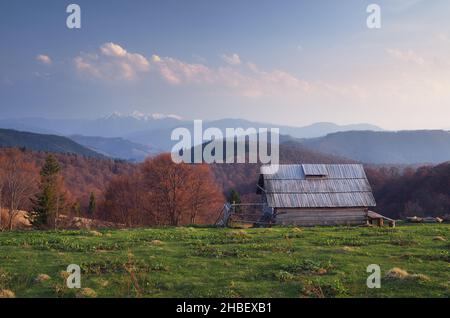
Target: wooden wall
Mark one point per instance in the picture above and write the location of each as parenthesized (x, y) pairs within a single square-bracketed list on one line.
[(314, 217)]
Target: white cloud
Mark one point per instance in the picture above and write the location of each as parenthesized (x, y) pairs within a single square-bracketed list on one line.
[(112, 49), (232, 59), (44, 59), (175, 71), (113, 63), (406, 56), (248, 80), (143, 116), (399, 6)]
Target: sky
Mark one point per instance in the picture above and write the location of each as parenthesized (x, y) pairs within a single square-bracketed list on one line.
[(287, 62)]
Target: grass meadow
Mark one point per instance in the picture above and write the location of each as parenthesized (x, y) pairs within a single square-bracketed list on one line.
[(215, 262)]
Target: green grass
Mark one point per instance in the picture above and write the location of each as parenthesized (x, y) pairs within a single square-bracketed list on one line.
[(211, 262)]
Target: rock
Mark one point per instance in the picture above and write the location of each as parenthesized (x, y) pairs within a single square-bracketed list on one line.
[(86, 293), (6, 293), (397, 273), (41, 278), (321, 271), (400, 274)]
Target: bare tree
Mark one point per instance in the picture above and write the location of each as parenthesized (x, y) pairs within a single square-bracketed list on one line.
[(19, 184), (204, 195), (2, 183)]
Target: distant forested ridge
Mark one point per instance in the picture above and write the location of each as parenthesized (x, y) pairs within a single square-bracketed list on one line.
[(42, 142), (403, 147), (424, 191)]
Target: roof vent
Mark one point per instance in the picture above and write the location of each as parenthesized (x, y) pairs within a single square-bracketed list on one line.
[(313, 171)]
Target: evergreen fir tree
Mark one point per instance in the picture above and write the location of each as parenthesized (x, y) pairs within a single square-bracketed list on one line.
[(48, 200), (235, 198), (92, 205)]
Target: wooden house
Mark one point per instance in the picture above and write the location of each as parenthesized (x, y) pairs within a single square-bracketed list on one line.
[(316, 194)]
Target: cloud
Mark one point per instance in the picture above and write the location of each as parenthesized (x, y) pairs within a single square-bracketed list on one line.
[(248, 80), (44, 59), (112, 63), (406, 56), (402, 5), (233, 59), (112, 49), (175, 71)]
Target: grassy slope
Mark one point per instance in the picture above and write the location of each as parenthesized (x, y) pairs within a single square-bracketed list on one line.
[(195, 262)]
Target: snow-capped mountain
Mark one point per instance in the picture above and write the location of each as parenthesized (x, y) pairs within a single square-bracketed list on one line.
[(114, 125), (143, 117)]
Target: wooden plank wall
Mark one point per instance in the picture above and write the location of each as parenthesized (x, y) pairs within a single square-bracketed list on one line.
[(314, 217)]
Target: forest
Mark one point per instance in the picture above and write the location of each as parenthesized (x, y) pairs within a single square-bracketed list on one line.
[(159, 192)]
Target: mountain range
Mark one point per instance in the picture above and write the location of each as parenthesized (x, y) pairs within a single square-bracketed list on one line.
[(40, 142), (137, 124), (402, 147), (115, 147), (114, 125), (136, 136)]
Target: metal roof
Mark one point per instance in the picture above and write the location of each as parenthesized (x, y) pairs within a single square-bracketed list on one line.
[(316, 186)]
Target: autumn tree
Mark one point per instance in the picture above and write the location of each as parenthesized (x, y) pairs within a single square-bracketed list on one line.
[(204, 195), (18, 184), (75, 209), (2, 185), (167, 183), (125, 202), (180, 192)]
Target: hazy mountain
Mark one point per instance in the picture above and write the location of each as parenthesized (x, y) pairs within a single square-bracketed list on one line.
[(403, 147), (24, 125), (323, 129), (41, 142), (310, 131), (115, 125), (155, 129), (244, 177), (161, 138), (115, 147)]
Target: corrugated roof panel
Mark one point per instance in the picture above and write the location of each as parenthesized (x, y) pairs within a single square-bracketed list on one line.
[(346, 171), (321, 200), (343, 185), (297, 171), (283, 172), (317, 186)]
